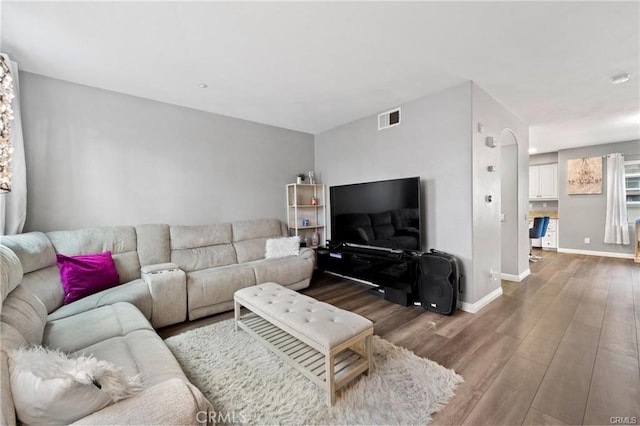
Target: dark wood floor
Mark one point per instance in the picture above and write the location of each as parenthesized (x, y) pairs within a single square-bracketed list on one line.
[(561, 347)]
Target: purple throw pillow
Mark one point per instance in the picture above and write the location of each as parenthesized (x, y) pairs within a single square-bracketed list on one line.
[(86, 274)]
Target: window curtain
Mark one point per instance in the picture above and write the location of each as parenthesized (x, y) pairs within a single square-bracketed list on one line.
[(616, 229), (13, 205)]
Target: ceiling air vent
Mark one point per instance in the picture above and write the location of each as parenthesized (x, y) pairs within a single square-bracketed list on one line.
[(389, 119)]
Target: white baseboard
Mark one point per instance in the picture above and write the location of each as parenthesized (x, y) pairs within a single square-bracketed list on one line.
[(597, 253), (516, 278), (475, 307)]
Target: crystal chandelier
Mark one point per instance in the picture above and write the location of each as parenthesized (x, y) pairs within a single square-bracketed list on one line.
[(6, 115)]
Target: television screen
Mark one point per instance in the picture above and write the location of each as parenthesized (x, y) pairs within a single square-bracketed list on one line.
[(383, 214)]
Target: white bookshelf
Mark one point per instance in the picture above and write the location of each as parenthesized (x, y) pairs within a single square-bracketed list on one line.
[(300, 207)]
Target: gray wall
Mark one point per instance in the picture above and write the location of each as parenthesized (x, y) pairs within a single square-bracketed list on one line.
[(508, 170), (96, 157), (583, 216), (433, 141), (438, 141), (504, 126)]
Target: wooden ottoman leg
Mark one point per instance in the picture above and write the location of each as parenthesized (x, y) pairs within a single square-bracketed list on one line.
[(331, 380), (368, 347)]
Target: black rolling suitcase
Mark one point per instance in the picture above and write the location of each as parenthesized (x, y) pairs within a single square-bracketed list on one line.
[(438, 284)]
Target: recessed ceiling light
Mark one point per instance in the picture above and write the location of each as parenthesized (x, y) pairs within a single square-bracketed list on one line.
[(532, 150), (620, 78), (203, 85)]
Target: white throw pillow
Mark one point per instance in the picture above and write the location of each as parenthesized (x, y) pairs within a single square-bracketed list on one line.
[(282, 247), (49, 387)]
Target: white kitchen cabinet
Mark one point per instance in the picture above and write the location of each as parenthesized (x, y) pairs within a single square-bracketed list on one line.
[(550, 239), (543, 182)]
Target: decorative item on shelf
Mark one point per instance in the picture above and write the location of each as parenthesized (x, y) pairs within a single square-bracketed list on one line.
[(315, 239), (311, 178), (314, 201), (305, 222), (300, 178), (6, 115)]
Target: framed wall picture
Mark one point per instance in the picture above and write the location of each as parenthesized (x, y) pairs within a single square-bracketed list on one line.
[(584, 176)]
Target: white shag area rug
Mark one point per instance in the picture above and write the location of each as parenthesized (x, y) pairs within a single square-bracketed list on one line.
[(247, 383)]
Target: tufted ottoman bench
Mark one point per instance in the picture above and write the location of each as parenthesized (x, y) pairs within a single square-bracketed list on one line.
[(327, 344)]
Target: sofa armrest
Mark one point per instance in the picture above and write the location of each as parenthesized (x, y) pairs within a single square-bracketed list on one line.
[(168, 287), (173, 402), (307, 254)]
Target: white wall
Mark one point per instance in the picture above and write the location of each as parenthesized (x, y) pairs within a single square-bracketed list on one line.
[(96, 157), (433, 142), (486, 216)]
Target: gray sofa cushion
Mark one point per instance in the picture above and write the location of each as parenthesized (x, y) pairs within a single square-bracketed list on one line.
[(250, 250), (216, 285), (135, 292), (154, 244), (204, 257), (187, 237), (33, 249), (121, 241), (138, 352), (250, 237), (200, 247), (10, 272), (74, 333), (118, 334), (283, 270), (26, 313), (259, 228), (46, 285)]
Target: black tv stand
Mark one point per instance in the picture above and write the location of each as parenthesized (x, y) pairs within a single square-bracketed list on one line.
[(393, 272)]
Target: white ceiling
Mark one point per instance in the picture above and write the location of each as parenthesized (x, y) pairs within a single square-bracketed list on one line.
[(314, 66)]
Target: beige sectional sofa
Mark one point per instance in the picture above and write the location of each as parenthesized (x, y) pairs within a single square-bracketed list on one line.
[(167, 274)]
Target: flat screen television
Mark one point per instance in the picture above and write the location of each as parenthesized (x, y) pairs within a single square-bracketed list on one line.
[(385, 213)]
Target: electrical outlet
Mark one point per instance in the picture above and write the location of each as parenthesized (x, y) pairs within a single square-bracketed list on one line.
[(544, 204), (587, 240)]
